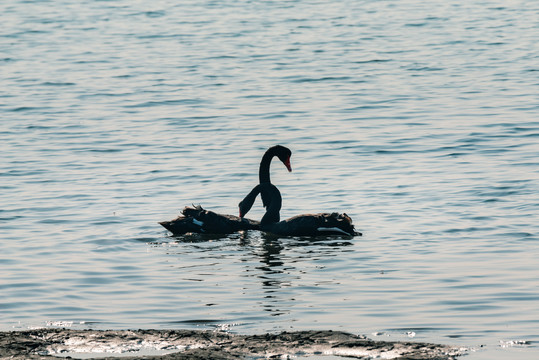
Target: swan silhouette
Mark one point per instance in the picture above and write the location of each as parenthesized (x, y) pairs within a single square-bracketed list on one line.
[(300, 225)]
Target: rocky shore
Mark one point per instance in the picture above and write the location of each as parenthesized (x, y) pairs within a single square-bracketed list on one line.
[(190, 344)]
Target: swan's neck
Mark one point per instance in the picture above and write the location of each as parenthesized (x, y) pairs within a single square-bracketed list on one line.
[(247, 203), (271, 198), (264, 172)]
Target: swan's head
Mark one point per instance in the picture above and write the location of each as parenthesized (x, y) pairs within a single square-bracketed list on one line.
[(245, 205), (284, 154)]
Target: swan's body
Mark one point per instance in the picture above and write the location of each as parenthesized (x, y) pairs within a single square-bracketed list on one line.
[(313, 225)]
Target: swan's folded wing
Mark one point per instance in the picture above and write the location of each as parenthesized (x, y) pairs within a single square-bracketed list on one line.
[(198, 220)]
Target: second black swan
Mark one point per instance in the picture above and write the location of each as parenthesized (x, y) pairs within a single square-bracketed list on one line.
[(300, 225), (198, 220)]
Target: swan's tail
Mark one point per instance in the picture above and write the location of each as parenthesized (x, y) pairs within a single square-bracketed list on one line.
[(187, 222), (182, 225), (339, 224)]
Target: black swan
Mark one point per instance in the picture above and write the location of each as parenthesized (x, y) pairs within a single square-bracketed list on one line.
[(300, 225), (198, 220)]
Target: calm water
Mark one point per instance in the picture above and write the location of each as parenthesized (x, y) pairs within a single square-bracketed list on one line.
[(420, 120)]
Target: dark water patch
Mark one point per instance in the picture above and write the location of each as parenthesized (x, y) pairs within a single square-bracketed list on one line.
[(191, 101), (103, 94), (153, 14), (145, 239), (18, 173), (492, 200), (21, 285), (55, 221), (517, 235), (185, 120), (320, 79), (107, 222), (124, 76), (421, 24), (455, 154), (7, 262), (10, 306), (109, 150), (125, 268), (41, 181), (477, 309), (90, 62), (179, 36), (367, 107), (11, 218), (281, 115), (260, 96), (39, 127), (533, 135), (29, 109), (396, 152), (422, 68), (372, 61), (221, 57), (96, 280), (516, 296), (469, 230), (73, 196), (28, 32), (60, 310), (51, 83)]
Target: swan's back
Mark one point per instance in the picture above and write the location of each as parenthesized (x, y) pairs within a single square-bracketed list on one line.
[(314, 225)]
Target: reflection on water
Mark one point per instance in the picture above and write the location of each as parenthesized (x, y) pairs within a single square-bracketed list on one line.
[(268, 268)]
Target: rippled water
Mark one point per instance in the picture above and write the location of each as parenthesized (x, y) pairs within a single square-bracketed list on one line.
[(420, 120)]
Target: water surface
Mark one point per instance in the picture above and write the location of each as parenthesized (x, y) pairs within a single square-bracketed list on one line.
[(418, 120)]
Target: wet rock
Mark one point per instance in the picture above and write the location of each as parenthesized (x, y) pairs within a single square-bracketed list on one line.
[(189, 344)]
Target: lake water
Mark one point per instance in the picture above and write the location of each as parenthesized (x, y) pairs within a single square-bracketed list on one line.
[(418, 119)]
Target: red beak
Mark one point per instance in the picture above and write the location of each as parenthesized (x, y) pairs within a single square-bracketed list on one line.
[(287, 164)]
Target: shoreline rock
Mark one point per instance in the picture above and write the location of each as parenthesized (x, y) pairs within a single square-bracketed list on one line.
[(193, 344)]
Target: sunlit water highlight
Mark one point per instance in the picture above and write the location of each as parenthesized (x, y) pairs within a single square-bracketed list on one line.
[(419, 121)]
